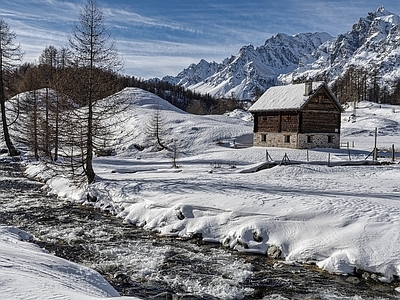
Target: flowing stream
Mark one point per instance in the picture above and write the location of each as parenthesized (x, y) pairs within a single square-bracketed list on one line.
[(139, 263)]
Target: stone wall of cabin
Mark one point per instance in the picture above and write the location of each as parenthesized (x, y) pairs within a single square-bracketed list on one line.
[(276, 139), (296, 140), (318, 140)]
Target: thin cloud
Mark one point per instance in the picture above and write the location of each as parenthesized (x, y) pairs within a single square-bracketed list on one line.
[(41, 11), (158, 38), (133, 19)]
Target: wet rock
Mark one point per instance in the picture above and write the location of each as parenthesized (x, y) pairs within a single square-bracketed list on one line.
[(226, 242), (375, 277), (243, 244), (257, 237), (197, 236), (91, 198), (180, 215), (358, 272), (122, 277), (274, 252), (366, 276), (353, 280)]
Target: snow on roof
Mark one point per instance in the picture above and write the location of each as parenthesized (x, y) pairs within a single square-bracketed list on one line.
[(284, 97)]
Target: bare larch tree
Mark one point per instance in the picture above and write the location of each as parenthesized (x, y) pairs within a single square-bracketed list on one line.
[(10, 55), (93, 51)]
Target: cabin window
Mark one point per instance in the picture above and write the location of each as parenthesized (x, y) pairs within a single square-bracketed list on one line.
[(287, 139), (309, 139), (263, 138), (330, 139)]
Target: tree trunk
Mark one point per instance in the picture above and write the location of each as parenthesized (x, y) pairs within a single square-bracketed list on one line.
[(11, 149), (47, 147), (89, 147), (35, 126), (56, 137)]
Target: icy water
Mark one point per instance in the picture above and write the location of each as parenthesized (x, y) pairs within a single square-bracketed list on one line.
[(139, 263)]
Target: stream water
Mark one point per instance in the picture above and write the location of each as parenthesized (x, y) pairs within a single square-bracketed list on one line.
[(139, 263)]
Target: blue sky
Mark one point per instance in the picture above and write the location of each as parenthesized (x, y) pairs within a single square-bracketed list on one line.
[(162, 37)]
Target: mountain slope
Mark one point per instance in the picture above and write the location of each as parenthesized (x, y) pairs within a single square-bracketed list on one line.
[(372, 44), (252, 69)]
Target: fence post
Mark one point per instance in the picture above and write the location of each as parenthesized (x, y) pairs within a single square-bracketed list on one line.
[(375, 155), (393, 153), (375, 158)]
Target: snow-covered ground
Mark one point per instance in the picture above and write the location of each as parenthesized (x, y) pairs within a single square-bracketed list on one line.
[(28, 272), (338, 216)]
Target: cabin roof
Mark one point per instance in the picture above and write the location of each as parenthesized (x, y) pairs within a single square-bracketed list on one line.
[(289, 97)]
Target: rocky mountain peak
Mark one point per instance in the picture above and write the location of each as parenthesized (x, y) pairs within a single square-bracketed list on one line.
[(373, 43)]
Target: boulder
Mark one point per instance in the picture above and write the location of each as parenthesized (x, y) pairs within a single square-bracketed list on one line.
[(274, 252)]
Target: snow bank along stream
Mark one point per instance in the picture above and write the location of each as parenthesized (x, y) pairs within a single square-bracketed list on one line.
[(142, 264)]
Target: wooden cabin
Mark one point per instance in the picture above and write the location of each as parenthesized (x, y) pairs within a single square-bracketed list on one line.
[(300, 116)]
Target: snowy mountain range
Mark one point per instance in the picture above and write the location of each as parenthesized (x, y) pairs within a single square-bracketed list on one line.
[(372, 44)]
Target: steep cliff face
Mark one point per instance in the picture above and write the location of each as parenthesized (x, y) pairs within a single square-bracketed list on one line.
[(373, 44)]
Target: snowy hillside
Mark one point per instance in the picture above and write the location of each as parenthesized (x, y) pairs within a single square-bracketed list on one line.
[(368, 116), (373, 44), (191, 133)]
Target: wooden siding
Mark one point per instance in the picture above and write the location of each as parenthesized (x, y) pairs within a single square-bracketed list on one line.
[(320, 114), (276, 122), (318, 122), (321, 101), (290, 122)]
